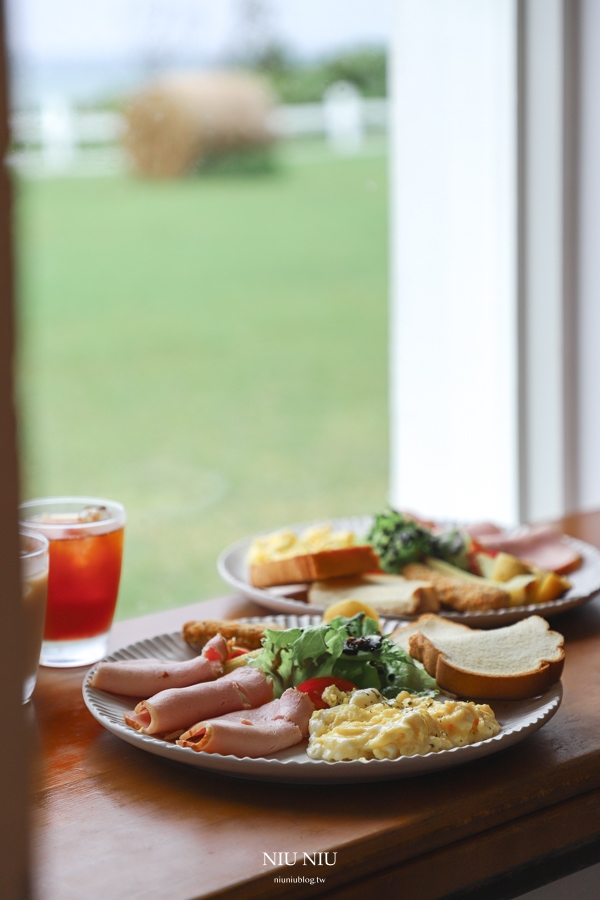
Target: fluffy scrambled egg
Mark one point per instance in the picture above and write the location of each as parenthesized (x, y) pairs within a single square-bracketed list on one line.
[(285, 544), (364, 725)]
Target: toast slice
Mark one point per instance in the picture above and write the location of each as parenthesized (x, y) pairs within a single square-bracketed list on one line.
[(314, 566), (512, 663), (388, 594), (431, 626)]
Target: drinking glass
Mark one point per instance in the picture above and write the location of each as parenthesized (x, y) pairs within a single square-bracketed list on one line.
[(86, 549), (34, 579)]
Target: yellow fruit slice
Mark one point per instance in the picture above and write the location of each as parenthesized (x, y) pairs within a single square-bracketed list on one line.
[(349, 608)]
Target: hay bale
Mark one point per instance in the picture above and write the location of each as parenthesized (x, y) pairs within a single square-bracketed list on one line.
[(181, 119)]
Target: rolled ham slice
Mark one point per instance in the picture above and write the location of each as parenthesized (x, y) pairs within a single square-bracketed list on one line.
[(179, 708), (541, 546), (145, 677), (482, 529), (257, 732)]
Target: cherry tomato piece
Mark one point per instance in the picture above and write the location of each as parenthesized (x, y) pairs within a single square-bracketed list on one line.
[(474, 567), (314, 687)]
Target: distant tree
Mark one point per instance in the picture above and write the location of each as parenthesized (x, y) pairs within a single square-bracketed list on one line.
[(365, 68), (274, 60), (301, 83), (255, 32)]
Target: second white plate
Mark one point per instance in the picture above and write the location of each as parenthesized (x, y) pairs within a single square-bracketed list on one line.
[(586, 582)]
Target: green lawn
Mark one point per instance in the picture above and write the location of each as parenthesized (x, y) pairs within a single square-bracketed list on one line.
[(211, 352)]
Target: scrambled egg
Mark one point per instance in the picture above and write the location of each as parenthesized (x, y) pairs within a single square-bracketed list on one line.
[(364, 725), (285, 544)]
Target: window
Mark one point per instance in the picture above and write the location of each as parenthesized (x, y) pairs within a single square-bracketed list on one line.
[(209, 349)]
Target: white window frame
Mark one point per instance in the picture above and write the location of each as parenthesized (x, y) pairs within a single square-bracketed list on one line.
[(493, 403)]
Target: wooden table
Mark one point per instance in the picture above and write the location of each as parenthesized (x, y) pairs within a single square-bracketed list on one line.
[(111, 821)]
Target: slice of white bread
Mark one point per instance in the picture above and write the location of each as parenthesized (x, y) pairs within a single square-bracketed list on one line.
[(387, 594), (512, 663), (431, 626)]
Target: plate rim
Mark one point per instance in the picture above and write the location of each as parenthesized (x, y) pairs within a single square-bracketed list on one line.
[(307, 769), (492, 618)]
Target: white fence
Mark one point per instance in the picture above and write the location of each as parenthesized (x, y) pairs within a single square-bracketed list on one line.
[(58, 121), (305, 119), (59, 139)]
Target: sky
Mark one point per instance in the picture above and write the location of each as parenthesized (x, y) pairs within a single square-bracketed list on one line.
[(42, 31), (88, 50)]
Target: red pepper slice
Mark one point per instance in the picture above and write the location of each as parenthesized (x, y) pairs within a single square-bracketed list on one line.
[(237, 651), (314, 687)]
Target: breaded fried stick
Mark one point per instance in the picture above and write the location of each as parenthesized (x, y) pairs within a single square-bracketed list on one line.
[(242, 634), (460, 594)]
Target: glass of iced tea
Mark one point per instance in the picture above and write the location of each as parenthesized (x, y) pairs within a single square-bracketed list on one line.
[(34, 580), (86, 548)]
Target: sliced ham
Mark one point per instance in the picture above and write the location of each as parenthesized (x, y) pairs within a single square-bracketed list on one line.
[(145, 677), (482, 529), (541, 546), (257, 732), (179, 708)]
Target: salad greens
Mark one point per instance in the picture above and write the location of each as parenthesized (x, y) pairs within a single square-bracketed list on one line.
[(399, 540), (345, 648)]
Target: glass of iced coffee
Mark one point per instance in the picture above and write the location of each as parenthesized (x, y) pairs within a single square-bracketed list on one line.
[(86, 549), (34, 579)]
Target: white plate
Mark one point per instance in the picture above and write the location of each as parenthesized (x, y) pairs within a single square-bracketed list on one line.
[(517, 718), (586, 582)]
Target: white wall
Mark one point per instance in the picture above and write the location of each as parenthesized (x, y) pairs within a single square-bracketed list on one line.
[(454, 259)]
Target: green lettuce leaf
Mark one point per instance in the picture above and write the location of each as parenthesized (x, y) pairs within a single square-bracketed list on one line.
[(399, 540), (293, 656)]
